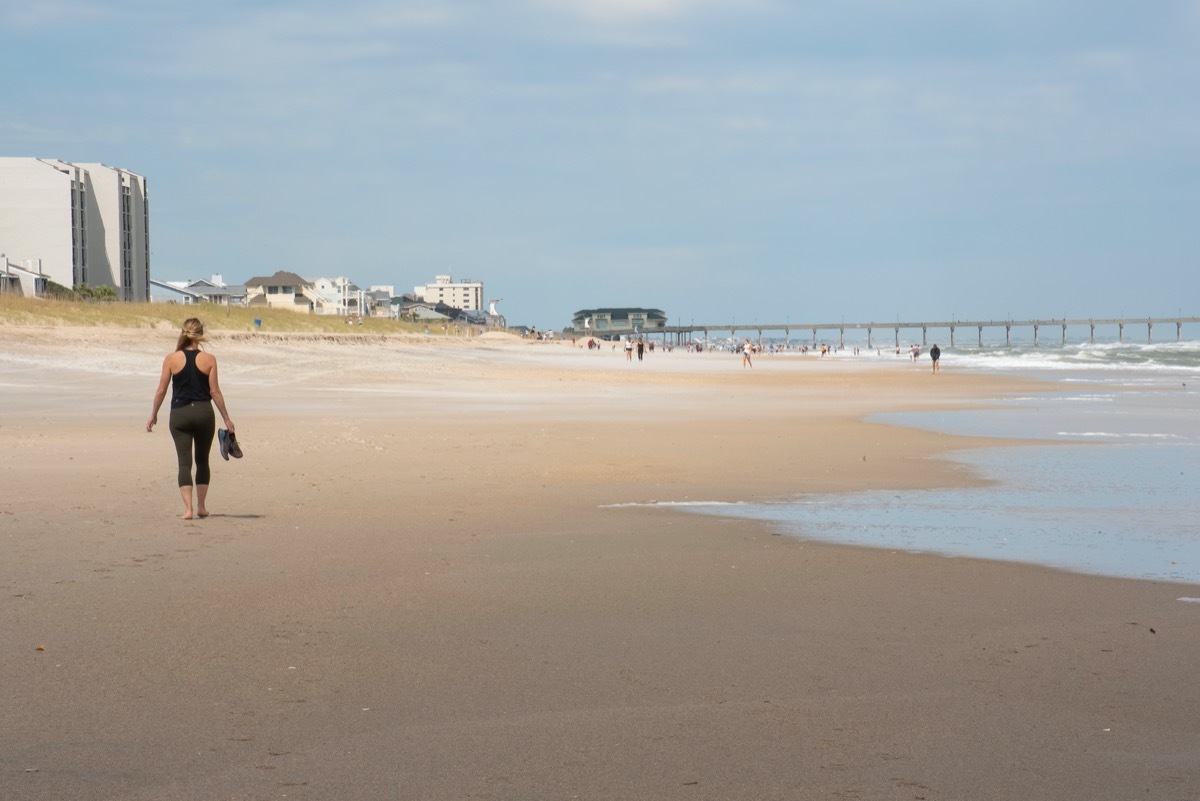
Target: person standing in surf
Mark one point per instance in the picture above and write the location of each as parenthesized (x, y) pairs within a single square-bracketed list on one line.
[(935, 353), (192, 376)]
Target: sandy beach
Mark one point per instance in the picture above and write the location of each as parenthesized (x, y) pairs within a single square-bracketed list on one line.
[(421, 583)]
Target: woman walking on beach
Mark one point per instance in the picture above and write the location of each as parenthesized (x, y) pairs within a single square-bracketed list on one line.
[(192, 375)]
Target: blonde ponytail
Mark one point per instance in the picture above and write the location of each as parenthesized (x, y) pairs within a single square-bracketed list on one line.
[(192, 333)]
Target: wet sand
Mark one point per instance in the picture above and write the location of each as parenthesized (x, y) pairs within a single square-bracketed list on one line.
[(414, 586)]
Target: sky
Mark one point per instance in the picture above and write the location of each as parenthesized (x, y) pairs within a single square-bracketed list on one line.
[(746, 161)]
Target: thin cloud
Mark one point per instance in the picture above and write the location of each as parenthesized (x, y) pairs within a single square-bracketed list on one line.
[(640, 24), (27, 15), (625, 11), (255, 44), (29, 139)]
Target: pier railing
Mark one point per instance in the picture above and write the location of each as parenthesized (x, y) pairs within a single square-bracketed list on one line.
[(683, 332)]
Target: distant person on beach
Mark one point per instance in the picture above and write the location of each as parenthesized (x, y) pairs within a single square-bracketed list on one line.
[(935, 353), (192, 375), (746, 354), (641, 348), (628, 349)]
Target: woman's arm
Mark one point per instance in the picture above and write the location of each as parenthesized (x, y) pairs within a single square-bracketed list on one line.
[(160, 394), (214, 389)]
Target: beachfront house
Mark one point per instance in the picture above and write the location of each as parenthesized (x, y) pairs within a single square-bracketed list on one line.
[(213, 290), (342, 297), (413, 308), (339, 296), (377, 301), (283, 290), (26, 280), (617, 320)]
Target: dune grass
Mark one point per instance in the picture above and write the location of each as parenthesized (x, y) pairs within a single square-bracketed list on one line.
[(19, 311)]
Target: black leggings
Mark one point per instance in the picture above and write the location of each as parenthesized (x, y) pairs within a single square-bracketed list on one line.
[(194, 423)]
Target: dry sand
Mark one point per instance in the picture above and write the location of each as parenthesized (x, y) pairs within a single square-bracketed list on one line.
[(413, 586)]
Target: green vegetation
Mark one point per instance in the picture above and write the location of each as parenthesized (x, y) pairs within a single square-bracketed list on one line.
[(58, 291), (105, 294), (217, 319)]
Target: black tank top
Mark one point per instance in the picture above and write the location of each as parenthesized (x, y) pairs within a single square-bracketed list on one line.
[(189, 384)]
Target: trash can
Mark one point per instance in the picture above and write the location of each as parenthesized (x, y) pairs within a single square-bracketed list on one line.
[(257, 324)]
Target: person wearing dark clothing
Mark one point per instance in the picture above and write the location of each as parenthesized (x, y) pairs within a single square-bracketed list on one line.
[(935, 353), (192, 375)]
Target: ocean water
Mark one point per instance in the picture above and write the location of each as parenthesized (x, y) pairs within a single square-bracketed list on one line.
[(1114, 491)]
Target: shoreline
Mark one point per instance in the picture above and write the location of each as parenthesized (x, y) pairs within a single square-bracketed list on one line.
[(409, 588)]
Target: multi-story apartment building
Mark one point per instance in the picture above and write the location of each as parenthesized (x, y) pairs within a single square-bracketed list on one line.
[(85, 223), (465, 295)]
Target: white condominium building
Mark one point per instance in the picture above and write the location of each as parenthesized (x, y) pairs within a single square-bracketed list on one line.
[(465, 295), (84, 223)]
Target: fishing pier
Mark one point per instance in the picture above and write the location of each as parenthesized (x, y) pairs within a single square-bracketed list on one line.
[(955, 327)]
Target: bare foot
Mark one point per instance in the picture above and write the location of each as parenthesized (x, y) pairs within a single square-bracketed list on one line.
[(202, 513), (186, 516)]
